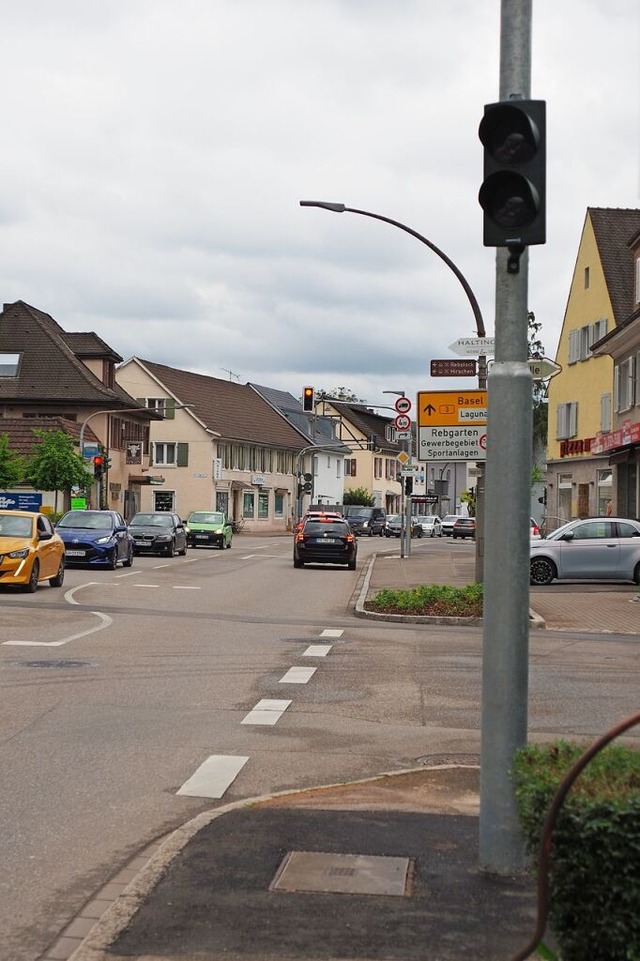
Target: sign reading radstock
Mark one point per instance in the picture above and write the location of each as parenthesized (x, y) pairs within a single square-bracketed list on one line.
[(452, 425)]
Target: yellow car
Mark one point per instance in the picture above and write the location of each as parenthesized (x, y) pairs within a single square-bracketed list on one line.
[(30, 550)]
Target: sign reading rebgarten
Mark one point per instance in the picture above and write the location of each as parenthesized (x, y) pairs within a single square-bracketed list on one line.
[(452, 425)]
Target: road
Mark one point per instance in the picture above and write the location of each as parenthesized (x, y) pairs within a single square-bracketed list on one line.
[(119, 686)]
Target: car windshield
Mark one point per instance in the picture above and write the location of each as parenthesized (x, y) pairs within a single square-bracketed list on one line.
[(152, 520), (339, 528), (393, 518), (90, 520), (202, 517), (358, 512), (451, 517), (426, 519), (13, 526)]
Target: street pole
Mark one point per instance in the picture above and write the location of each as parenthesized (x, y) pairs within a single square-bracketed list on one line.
[(508, 473)]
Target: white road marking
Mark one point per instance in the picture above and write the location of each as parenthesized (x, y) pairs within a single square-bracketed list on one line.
[(158, 567), (214, 776), (129, 574), (246, 557), (68, 596), (145, 585), (266, 711), (185, 587), (317, 650), (298, 675), (106, 621), (331, 633)]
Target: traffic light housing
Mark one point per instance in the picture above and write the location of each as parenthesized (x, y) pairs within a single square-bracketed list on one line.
[(99, 465), (513, 191), (408, 485), (307, 399)]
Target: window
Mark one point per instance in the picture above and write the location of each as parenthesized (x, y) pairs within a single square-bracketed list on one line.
[(390, 433), (377, 467), (624, 383), (586, 278), (170, 454), (350, 467), (338, 467), (278, 505), (592, 529), (222, 501), (263, 504), (582, 338), (248, 498), (638, 281), (566, 420), (605, 412), (9, 364)]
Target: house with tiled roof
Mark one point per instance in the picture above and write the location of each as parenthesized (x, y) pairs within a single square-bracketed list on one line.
[(579, 475), (51, 379), (226, 449)]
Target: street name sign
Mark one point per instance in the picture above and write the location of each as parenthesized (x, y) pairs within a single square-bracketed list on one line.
[(452, 425), (542, 368), (453, 368), (473, 346)]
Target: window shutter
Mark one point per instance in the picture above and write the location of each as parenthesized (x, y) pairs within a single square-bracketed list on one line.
[(573, 419), (170, 412), (560, 422), (616, 388), (182, 455)]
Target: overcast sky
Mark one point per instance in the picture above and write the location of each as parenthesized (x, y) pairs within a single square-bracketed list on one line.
[(154, 154)]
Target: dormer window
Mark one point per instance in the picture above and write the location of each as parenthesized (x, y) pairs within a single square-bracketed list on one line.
[(9, 364)]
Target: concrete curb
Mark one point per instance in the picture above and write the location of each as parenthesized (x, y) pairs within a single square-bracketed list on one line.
[(534, 619)]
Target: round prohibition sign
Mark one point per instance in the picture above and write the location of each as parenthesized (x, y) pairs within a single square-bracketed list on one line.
[(402, 422), (403, 406), (483, 441)]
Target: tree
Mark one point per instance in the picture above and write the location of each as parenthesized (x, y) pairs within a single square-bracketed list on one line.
[(55, 465), (12, 465), (540, 407), (344, 394), (358, 495)]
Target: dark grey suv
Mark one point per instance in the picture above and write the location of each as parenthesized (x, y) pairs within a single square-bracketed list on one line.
[(366, 520)]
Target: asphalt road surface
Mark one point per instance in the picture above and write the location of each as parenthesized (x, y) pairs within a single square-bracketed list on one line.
[(126, 695)]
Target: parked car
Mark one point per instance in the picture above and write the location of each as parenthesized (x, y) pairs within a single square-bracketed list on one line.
[(447, 523), (464, 527), (536, 533), (325, 541), (366, 520), (30, 550), (209, 529), (393, 526), (595, 548), (158, 532), (97, 538), (431, 524)]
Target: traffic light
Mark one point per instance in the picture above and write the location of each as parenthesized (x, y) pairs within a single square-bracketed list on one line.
[(512, 195), (408, 485), (307, 399), (307, 487), (98, 465)]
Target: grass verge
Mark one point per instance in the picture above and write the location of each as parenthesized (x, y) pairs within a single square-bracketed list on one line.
[(430, 600)]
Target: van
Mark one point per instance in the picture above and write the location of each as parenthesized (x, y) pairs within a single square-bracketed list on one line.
[(366, 520)]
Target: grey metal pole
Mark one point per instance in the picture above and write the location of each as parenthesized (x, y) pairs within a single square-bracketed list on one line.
[(508, 472)]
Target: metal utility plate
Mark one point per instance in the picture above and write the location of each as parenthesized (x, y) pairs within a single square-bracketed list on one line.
[(343, 874)]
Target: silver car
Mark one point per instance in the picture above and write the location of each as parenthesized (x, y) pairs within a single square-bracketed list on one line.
[(431, 524), (596, 548)]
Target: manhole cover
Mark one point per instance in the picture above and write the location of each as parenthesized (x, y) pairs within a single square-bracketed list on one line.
[(343, 874), (60, 664), (436, 760)]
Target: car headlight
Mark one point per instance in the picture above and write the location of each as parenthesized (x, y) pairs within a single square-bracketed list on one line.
[(365, 524), (103, 540), (163, 537), (23, 552)]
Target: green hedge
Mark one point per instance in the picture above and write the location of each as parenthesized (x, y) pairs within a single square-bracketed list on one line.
[(595, 858)]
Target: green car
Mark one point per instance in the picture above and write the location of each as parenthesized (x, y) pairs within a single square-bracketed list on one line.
[(208, 529)]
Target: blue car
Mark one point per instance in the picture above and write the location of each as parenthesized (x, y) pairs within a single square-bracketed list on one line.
[(97, 538)]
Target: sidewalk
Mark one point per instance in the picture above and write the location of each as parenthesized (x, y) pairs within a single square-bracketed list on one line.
[(380, 869)]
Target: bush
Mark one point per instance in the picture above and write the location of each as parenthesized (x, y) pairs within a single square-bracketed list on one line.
[(435, 600), (594, 884)]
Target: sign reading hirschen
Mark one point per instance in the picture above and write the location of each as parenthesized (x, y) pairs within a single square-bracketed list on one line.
[(20, 501)]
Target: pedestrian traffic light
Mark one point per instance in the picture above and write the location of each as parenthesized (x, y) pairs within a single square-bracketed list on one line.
[(512, 195), (307, 398), (98, 465)]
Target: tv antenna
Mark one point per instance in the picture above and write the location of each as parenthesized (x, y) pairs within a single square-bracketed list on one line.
[(231, 373)]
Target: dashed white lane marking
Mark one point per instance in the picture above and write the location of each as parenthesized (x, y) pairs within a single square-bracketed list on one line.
[(158, 567), (128, 574), (247, 557), (298, 675), (266, 711), (330, 632), (186, 587), (145, 585), (105, 622), (317, 650), (214, 776)]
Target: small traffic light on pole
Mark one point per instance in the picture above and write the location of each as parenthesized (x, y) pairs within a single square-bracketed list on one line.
[(513, 193), (98, 465), (307, 399)]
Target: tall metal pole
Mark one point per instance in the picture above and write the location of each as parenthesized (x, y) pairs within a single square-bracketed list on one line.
[(506, 584)]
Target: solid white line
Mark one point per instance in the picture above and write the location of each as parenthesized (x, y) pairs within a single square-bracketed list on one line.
[(266, 711), (298, 675), (331, 633), (317, 650), (214, 776), (106, 621)]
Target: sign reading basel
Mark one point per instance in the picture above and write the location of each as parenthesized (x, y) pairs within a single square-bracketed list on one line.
[(452, 425)]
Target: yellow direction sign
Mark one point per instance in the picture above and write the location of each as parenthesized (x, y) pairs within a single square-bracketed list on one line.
[(451, 408)]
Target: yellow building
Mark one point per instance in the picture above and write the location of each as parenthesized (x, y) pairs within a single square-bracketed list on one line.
[(581, 397)]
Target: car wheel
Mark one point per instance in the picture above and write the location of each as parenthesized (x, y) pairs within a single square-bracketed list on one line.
[(455, 536), (636, 575), (229, 544), (352, 565), (128, 561), (297, 562), (58, 580), (433, 532), (542, 571), (183, 552), (171, 549), (32, 585), (420, 533), (113, 559)]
